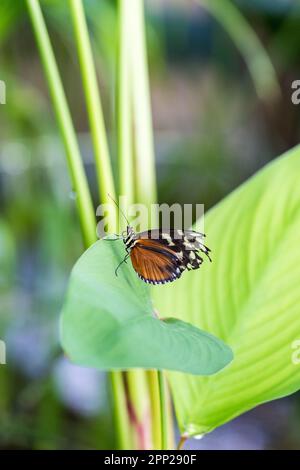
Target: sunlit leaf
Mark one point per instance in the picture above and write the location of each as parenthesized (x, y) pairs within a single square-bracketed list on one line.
[(249, 296)]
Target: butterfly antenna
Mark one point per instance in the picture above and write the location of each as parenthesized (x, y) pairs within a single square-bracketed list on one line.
[(118, 206)]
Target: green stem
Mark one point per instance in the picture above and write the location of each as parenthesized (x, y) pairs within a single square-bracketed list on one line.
[(163, 410), (94, 107), (137, 387), (143, 132), (79, 181), (78, 177), (106, 186), (154, 394), (145, 184), (122, 421), (124, 112), (136, 379), (258, 62)]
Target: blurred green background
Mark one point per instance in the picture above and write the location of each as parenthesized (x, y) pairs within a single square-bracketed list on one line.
[(211, 133)]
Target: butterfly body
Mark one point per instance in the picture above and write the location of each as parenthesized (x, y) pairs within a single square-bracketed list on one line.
[(160, 256)]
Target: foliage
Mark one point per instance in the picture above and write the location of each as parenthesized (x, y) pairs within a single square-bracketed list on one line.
[(108, 321), (249, 297)]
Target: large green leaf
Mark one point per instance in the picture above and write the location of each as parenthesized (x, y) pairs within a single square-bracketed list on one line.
[(108, 321), (249, 296)]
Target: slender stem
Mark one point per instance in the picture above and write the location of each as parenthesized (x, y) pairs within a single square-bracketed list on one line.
[(140, 408), (105, 180), (78, 177), (145, 183), (152, 377), (143, 133), (94, 107), (84, 203), (258, 62), (124, 112), (181, 442), (163, 410), (170, 418), (122, 421), (136, 379)]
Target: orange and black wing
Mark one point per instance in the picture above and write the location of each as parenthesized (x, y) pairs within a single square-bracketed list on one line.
[(155, 263), (179, 241)]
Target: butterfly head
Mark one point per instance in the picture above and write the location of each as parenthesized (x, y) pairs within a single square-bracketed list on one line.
[(128, 236)]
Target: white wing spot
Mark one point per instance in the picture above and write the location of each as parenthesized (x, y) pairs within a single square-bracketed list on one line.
[(188, 245), (167, 236)]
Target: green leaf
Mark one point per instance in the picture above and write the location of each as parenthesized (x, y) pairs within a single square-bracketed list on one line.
[(249, 296), (108, 321)]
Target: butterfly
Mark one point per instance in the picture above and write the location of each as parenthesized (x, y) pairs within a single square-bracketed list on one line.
[(160, 256)]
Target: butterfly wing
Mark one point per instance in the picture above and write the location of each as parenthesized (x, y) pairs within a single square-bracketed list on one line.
[(155, 263), (160, 256), (187, 243)]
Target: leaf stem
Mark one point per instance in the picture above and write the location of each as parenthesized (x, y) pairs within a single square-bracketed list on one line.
[(163, 410), (94, 107), (124, 112), (258, 62), (106, 187), (138, 399), (122, 421), (136, 379), (78, 177), (145, 178), (143, 132), (152, 378), (182, 441)]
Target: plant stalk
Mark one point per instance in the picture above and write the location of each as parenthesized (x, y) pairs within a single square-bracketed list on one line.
[(94, 108), (154, 394), (78, 177), (246, 40), (76, 170), (163, 410), (124, 105), (145, 182), (142, 118), (138, 399), (121, 417)]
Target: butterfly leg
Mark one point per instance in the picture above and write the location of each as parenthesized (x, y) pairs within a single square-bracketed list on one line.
[(119, 265)]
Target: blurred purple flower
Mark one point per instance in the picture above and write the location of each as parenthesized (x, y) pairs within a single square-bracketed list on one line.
[(82, 389), (29, 347)]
